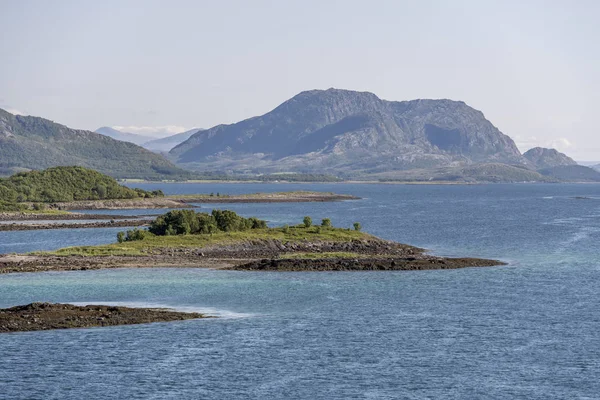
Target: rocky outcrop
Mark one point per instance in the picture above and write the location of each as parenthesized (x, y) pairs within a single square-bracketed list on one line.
[(346, 131), (365, 264), (542, 158), (45, 316)]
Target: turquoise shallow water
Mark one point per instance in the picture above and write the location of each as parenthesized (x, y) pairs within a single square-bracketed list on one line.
[(528, 330)]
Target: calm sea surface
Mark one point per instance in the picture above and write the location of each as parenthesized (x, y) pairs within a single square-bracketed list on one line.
[(530, 330)]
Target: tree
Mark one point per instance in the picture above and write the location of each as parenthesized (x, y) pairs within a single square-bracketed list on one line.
[(326, 223), (121, 237), (307, 222), (176, 222), (207, 223), (357, 226), (101, 190), (257, 223)]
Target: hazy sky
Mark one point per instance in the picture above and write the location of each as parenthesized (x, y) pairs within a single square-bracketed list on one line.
[(532, 67)]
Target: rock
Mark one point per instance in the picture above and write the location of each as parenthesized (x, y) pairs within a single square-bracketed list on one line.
[(43, 316)]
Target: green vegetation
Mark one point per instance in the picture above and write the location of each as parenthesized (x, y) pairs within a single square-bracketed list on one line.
[(326, 223), (37, 143), (290, 234), (61, 184), (185, 222), (357, 226), (307, 222), (131, 235)]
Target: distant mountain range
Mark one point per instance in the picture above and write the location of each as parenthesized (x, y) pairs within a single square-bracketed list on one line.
[(167, 143), (157, 145), (123, 136), (358, 135), (330, 132), (37, 143)]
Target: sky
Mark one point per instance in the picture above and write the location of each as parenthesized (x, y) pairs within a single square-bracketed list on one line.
[(159, 67)]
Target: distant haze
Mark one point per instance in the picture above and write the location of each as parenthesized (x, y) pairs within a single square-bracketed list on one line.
[(157, 68)]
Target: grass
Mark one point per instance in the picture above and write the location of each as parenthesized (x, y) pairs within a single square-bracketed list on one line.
[(142, 247)]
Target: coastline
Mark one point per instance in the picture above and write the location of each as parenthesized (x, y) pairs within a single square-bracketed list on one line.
[(187, 201), (265, 252)]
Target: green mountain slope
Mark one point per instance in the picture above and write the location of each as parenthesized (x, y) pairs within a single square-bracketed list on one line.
[(65, 184), (37, 143)]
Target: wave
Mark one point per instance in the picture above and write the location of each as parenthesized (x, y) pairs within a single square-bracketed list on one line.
[(214, 312)]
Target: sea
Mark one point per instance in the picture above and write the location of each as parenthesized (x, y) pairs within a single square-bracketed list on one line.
[(527, 330)]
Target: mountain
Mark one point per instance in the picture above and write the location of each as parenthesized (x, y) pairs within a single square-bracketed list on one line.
[(542, 158), (482, 172), (596, 167), (167, 143), (37, 143), (572, 173), (123, 136), (353, 133)]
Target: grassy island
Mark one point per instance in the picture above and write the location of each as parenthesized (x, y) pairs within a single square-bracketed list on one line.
[(35, 190), (225, 240)]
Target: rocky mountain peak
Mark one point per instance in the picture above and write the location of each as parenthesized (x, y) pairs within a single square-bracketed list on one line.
[(342, 130), (547, 158)]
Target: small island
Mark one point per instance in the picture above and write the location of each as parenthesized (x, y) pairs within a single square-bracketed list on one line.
[(45, 316), (226, 240)]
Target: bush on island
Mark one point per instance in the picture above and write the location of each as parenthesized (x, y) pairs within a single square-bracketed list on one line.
[(183, 222), (307, 222)]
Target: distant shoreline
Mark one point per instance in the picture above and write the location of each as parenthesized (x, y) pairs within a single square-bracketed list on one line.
[(370, 182)]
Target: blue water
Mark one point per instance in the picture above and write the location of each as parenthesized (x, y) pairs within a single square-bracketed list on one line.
[(527, 330)]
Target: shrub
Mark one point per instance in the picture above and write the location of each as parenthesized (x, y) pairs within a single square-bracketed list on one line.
[(257, 223), (326, 223), (357, 226), (307, 222), (206, 223), (176, 222), (182, 222), (39, 206), (286, 229), (131, 235), (229, 221)]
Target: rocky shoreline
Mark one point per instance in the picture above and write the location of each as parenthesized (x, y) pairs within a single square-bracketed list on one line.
[(364, 264), (108, 224), (67, 216), (256, 255), (45, 316), (187, 201)]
